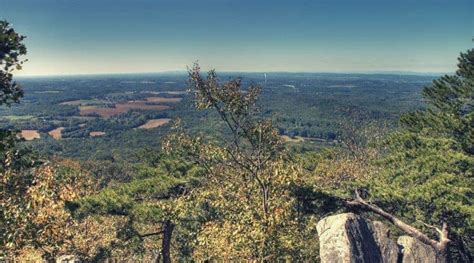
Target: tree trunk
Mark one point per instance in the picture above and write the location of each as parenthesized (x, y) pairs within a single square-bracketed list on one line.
[(168, 227)]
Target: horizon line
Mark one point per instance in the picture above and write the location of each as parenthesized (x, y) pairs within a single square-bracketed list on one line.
[(375, 72)]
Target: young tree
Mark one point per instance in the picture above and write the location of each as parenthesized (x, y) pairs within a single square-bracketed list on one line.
[(246, 193), (427, 181)]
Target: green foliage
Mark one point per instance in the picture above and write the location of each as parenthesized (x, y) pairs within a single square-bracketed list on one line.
[(430, 179), (11, 48), (234, 193), (131, 198), (248, 210), (146, 201), (314, 109), (451, 107), (428, 174)]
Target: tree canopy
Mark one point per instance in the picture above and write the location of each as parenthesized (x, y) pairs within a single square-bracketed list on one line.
[(11, 50), (427, 175)]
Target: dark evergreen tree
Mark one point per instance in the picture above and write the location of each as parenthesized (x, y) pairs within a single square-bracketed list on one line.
[(427, 178)]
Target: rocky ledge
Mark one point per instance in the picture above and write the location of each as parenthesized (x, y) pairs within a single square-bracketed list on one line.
[(349, 238)]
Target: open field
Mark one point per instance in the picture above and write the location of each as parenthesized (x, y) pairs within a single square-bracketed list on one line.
[(83, 102), (154, 123), (163, 100), (18, 117), (120, 108), (307, 116), (56, 133), (96, 133), (30, 135), (164, 92), (287, 138)]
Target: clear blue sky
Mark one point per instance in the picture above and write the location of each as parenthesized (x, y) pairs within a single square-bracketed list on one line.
[(118, 36)]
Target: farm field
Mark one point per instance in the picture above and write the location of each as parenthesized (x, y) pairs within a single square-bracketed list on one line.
[(107, 112), (83, 102), (154, 123), (17, 117), (116, 115), (56, 133), (30, 135), (96, 134), (163, 100)]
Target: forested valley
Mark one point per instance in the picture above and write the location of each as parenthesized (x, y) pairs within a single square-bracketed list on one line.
[(208, 166)]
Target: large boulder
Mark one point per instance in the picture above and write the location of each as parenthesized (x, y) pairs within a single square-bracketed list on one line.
[(388, 247), (414, 251), (348, 238)]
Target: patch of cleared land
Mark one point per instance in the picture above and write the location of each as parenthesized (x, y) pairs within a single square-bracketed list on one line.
[(287, 138), (30, 135), (96, 133), (56, 133), (84, 119), (154, 123), (165, 92), (120, 108), (83, 102), (18, 117), (163, 100)]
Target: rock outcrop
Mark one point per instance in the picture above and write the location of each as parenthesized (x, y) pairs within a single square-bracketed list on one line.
[(414, 251), (349, 238), (388, 248)]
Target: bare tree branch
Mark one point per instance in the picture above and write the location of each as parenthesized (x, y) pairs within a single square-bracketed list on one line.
[(439, 245), (151, 234), (431, 226)]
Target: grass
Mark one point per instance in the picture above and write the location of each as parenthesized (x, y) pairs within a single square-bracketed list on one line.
[(18, 117)]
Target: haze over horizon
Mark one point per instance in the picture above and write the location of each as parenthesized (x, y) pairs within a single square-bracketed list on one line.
[(67, 37)]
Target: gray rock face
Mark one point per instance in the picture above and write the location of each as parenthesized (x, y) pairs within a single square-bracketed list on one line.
[(347, 238), (415, 251), (388, 248)]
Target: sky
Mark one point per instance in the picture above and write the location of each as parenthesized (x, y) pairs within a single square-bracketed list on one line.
[(67, 37)]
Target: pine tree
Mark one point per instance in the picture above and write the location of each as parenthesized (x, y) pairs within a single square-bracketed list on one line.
[(427, 178)]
